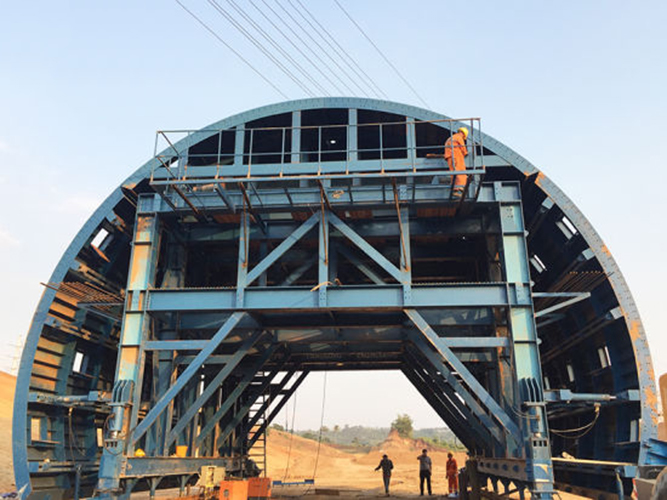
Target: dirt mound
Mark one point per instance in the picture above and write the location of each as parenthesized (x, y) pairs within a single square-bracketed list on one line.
[(7, 387), (341, 469), (395, 442)]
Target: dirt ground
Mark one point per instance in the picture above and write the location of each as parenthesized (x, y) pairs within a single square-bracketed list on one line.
[(292, 459), (341, 469)]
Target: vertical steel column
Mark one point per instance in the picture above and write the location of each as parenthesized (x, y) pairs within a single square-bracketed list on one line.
[(244, 257), (239, 140), (323, 260), (406, 259), (532, 408), (130, 364), (296, 137)]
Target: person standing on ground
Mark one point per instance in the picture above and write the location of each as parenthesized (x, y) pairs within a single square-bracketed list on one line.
[(452, 474), (425, 468), (455, 153), (386, 465)]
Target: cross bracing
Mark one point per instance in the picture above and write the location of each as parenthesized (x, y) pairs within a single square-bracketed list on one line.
[(262, 251)]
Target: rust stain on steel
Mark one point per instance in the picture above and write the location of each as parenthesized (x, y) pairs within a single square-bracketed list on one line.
[(663, 393), (651, 399), (143, 224), (540, 177), (100, 253), (634, 331), (605, 250)]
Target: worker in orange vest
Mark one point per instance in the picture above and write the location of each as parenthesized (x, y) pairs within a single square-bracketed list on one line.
[(455, 153), (452, 474)]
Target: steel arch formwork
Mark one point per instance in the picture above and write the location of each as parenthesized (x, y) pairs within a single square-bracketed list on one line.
[(323, 234)]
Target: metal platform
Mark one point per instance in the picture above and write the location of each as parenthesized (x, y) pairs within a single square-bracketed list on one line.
[(324, 235)]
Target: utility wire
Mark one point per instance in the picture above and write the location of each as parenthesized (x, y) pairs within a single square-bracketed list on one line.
[(287, 37), (276, 45), (308, 46), (327, 53), (582, 431), (382, 54), (258, 45), (296, 21), (319, 440), (291, 439), (237, 54), (359, 71)]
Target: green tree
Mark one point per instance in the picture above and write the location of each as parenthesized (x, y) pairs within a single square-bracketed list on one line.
[(324, 429), (336, 428), (278, 427), (403, 425)]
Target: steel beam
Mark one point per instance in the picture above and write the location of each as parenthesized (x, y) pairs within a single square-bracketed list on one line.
[(129, 366), (279, 406), (231, 400), (442, 409), (215, 384), (469, 399), (365, 247), (280, 250), (344, 298), (187, 374), (454, 403), (468, 378)]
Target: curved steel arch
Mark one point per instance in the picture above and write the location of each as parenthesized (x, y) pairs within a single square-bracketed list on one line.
[(633, 329)]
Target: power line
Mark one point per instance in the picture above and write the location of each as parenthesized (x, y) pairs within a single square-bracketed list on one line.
[(322, 49), (327, 53), (324, 63), (207, 28), (276, 45), (303, 54), (359, 71), (382, 54), (258, 45)]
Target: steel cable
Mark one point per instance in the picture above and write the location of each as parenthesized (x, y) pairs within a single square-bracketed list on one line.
[(317, 44), (296, 9), (276, 45), (221, 10), (287, 37), (583, 430), (382, 54), (236, 53), (319, 440), (289, 450), (359, 71)]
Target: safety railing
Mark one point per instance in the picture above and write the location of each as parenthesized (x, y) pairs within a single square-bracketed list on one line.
[(295, 152)]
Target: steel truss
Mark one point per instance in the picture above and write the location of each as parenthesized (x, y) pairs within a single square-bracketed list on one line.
[(205, 382), (214, 341)]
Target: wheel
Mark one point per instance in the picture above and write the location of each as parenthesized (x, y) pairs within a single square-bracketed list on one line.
[(659, 491)]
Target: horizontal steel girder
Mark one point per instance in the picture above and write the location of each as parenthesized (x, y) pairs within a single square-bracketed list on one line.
[(266, 200), (315, 170), (169, 466), (368, 297)]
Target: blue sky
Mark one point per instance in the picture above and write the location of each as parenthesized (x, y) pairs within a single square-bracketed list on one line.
[(575, 87)]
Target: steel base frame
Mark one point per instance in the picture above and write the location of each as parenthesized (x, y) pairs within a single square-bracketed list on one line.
[(204, 416)]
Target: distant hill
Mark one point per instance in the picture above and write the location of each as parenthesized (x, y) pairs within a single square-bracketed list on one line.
[(358, 435)]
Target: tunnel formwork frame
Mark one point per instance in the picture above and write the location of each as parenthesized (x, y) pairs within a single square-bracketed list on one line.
[(324, 235)]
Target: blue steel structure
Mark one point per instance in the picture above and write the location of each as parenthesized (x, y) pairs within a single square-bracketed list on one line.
[(322, 234)]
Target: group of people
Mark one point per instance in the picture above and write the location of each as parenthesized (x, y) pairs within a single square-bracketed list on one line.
[(425, 470)]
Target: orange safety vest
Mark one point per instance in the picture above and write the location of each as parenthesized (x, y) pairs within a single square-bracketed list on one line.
[(456, 144), (452, 467)]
